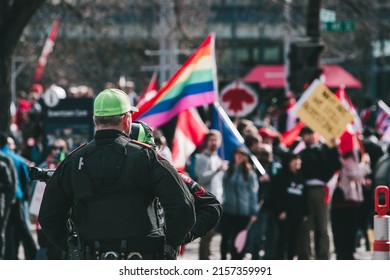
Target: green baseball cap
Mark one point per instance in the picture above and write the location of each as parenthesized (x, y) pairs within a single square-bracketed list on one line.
[(112, 102)]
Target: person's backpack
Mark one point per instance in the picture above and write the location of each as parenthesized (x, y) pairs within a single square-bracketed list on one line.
[(6, 184)]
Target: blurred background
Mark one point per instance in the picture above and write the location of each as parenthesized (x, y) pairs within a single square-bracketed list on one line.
[(100, 41)]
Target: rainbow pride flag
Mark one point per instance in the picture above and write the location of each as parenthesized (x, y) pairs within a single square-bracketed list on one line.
[(193, 85)]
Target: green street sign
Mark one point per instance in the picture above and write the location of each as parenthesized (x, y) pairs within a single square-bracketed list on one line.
[(338, 26)]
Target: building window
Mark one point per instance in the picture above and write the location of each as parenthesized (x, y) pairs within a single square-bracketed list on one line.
[(271, 54)]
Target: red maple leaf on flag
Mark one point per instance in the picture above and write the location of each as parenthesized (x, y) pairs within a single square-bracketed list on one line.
[(236, 98)]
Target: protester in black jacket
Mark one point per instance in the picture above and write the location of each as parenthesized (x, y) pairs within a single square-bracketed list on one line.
[(290, 206), (319, 164)]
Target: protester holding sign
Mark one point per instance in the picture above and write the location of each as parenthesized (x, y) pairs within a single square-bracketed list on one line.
[(319, 163)]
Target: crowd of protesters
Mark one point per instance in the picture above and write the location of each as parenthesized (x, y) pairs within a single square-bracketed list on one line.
[(286, 210), (312, 196)]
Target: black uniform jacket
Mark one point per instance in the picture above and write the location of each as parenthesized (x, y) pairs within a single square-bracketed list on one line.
[(207, 207), (113, 185)]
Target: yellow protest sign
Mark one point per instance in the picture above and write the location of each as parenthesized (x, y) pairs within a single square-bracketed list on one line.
[(321, 110)]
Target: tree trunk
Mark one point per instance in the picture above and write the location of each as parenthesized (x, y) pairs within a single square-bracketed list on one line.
[(5, 91), (14, 16)]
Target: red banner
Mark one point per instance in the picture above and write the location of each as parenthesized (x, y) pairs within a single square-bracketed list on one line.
[(47, 49)]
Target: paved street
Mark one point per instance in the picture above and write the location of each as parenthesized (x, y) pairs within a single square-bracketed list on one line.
[(191, 251)]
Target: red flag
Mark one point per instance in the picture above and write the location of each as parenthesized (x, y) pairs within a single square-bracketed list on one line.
[(47, 49), (290, 136), (190, 131), (150, 91)]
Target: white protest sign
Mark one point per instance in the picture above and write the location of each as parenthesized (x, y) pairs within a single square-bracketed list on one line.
[(36, 200)]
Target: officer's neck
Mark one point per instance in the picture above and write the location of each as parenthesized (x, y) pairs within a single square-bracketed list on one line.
[(120, 128)]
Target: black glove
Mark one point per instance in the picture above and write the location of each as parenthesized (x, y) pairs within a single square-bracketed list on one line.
[(170, 253), (189, 238)]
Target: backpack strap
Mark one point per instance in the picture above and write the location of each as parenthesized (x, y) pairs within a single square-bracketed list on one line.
[(142, 144)]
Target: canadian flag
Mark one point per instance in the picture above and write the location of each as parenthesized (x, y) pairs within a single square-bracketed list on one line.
[(347, 103), (190, 131), (150, 91), (349, 140), (47, 49), (331, 186)]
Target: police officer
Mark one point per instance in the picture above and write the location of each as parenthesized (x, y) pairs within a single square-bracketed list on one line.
[(113, 187), (208, 209)]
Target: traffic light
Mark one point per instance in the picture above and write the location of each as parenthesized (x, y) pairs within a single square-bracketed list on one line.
[(304, 64)]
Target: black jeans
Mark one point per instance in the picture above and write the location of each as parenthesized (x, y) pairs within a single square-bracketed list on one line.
[(18, 230), (231, 225), (344, 227)]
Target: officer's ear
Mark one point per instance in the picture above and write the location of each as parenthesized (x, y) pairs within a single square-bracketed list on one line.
[(127, 119)]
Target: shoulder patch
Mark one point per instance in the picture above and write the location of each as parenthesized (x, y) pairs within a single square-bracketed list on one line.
[(185, 178), (78, 148), (141, 144)]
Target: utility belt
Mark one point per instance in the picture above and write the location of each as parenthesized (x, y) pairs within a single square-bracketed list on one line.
[(124, 249)]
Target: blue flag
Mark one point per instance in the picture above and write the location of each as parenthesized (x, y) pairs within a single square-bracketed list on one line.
[(231, 138)]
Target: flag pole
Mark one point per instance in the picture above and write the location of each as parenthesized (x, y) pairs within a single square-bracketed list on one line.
[(220, 128), (384, 106), (214, 67), (216, 93)]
